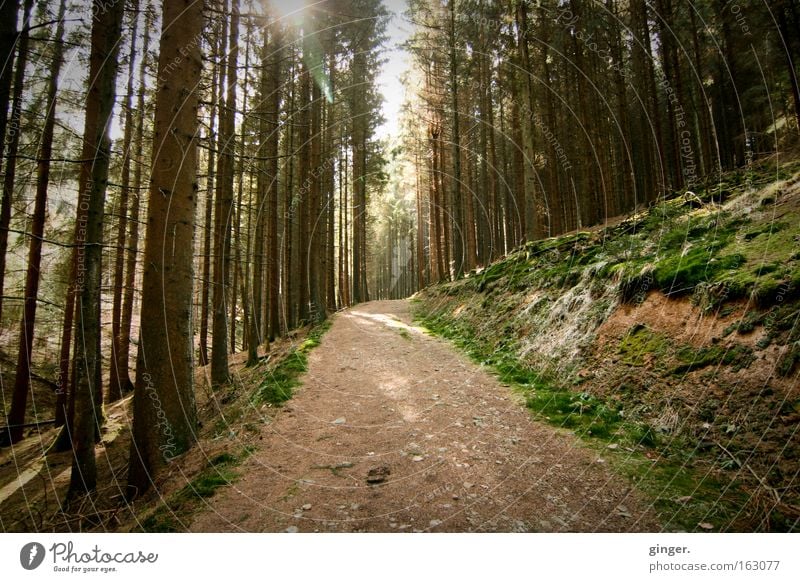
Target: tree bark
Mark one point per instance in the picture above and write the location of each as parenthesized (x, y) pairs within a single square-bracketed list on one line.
[(223, 214), (164, 408), (10, 146), (209, 206), (103, 66), (273, 190), (117, 383), (459, 233), (22, 377), (256, 333), (133, 237)]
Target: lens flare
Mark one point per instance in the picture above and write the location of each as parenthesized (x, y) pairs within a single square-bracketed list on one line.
[(289, 11)]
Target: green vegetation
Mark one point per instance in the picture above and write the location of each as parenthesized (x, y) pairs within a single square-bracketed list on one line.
[(176, 512), (737, 356), (662, 466), (586, 415), (667, 413), (283, 378), (687, 245), (640, 343)]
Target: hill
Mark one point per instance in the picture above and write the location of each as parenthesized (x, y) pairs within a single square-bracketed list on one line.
[(670, 337)]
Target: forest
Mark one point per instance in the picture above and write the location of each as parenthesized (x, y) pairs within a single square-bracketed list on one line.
[(199, 196)]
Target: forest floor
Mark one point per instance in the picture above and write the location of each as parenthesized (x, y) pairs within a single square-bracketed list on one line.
[(394, 430)]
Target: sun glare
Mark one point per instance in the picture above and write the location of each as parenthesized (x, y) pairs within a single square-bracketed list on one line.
[(289, 10)]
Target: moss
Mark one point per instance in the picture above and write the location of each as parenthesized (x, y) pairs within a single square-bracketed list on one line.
[(644, 435), (789, 361), (749, 322), (207, 485), (283, 378), (736, 355), (766, 228), (641, 342), (678, 275), (765, 292), (280, 382), (222, 459), (683, 496), (175, 514), (633, 286)]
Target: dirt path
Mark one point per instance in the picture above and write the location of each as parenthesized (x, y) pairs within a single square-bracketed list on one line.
[(448, 447)]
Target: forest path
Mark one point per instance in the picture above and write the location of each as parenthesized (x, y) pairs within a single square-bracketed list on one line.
[(446, 446)]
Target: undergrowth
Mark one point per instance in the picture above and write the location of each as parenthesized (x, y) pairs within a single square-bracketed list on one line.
[(281, 380), (664, 468), (693, 244), (731, 247), (175, 514)]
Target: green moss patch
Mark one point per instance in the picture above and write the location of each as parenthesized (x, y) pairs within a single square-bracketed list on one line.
[(175, 514), (281, 380)]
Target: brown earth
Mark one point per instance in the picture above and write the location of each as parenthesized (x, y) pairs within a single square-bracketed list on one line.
[(446, 446)]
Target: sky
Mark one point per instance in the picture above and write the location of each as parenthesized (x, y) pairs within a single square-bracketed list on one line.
[(389, 79), (397, 61)]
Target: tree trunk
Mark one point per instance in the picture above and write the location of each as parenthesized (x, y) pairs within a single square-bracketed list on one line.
[(8, 42), (329, 202), (788, 51), (289, 245), (164, 410), (103, 66), (224, 210), (303, 197), (459, 233), (16, 415), (316, 219), (11, 144), (526, 110), (117, 383), (209, 205), (256, 333), (359, 179), (237, 213), (273, 190), (133, 238)]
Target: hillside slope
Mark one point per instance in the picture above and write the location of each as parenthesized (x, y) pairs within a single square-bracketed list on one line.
[(671, 338)]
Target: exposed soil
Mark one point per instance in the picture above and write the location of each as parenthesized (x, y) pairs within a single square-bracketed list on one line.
[(393, 430), (749, 412)]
